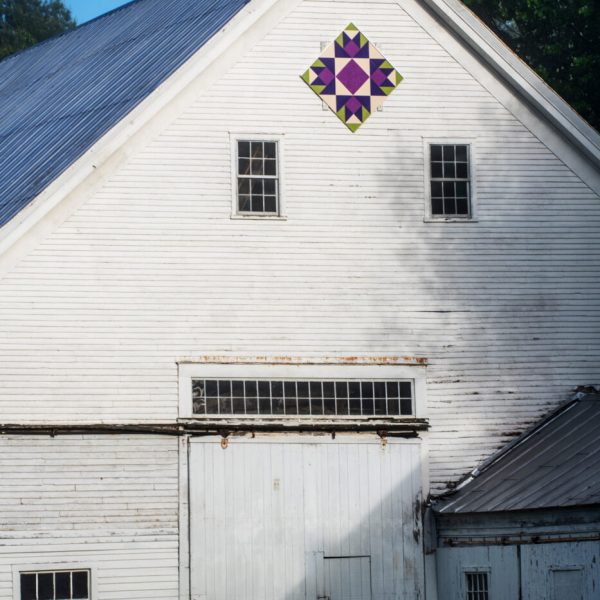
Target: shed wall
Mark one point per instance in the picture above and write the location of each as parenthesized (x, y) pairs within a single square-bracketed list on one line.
[(107, 503), (152, 268)]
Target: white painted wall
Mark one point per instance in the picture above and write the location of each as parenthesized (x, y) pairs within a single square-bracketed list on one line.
[(105, 503), (152, 268)]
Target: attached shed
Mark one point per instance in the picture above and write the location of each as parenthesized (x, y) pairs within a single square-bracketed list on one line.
[(527, 524)]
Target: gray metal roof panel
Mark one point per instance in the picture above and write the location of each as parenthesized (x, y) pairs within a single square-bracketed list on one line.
[(61, 96), (556, 464)]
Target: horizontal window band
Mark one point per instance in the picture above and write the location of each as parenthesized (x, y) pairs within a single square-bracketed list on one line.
[(302, 398)]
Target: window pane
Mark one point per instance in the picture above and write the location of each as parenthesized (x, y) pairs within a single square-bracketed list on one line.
[(243, 166), (289, 387), (28, 586), (257, 150), (257, 186), (243, 149), (270, 204), (449, 206), (270, 150), (462, 171), (449, 171), (251, 397), (63, 586), (224, 397), (448, 153), (257, 167), (436, 170), (270, 167), (406, 407), (448, 187), (244, 203), (461, 153), (243, 186), (462, 206), (257, 204), (269, 186), (461, 189), (45, 586), (316, 398), (437, 206), (436, 153), (264, 392), (329, 397), (277, 391), (436, 189), (80, 584), (341, 392)]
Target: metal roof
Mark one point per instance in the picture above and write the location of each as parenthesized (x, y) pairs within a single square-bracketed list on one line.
[(556, 464), (61, 96)]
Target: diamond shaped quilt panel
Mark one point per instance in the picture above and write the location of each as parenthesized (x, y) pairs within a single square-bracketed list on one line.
[(352, 77)]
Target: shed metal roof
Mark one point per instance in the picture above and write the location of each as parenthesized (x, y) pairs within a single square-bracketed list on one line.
[(61, 96), (557, 464)]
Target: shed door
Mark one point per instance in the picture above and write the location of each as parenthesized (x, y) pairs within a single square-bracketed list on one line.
[(305, 517)]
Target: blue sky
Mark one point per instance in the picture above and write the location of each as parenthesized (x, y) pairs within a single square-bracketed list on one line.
[(84, 10)]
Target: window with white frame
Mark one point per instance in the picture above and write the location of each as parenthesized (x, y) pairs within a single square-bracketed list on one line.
[(450, 180), (55, 585), (257, 177), (312, 390)]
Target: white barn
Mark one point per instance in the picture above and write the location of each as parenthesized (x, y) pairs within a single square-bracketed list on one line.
[(272, 273)]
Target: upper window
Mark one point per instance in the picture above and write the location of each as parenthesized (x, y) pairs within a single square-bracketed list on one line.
[(257, 177), (55, 585), (450, 180)]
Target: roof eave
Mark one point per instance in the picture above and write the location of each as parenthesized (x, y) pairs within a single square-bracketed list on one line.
[(506, 64)]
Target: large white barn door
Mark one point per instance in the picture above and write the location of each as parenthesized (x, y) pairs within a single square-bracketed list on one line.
[(304, 517)]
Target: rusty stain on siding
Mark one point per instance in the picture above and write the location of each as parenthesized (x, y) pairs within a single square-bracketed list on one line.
[(303, 360)]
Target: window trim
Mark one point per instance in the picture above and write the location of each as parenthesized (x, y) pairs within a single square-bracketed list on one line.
[(234, 138), (17, 569), (472, 146), (295, 371)]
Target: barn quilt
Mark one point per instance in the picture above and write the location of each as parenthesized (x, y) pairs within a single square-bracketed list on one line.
[(352, 77)]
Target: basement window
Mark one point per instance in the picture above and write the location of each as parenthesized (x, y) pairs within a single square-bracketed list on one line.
[(310, 398), (55, 585), (477, 585)]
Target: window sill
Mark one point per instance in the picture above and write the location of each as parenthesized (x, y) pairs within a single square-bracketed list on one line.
[(238, 217), (450, 220)]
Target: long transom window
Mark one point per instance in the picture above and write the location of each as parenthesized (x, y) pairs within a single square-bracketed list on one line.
[(238, 397)]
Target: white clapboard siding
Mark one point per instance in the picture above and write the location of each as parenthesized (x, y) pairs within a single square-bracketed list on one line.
[(152, 268), (274, 510), (107, 503)]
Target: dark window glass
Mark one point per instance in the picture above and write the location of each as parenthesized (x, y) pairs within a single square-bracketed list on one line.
[(244, 149), (450, 180), (28, 586), (45, 586), (264, 392), (63, 586), (367, 398), (477, 586), (80, 584)]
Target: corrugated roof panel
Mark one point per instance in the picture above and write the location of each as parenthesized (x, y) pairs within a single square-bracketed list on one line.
[(557, 464), (61, 96)]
